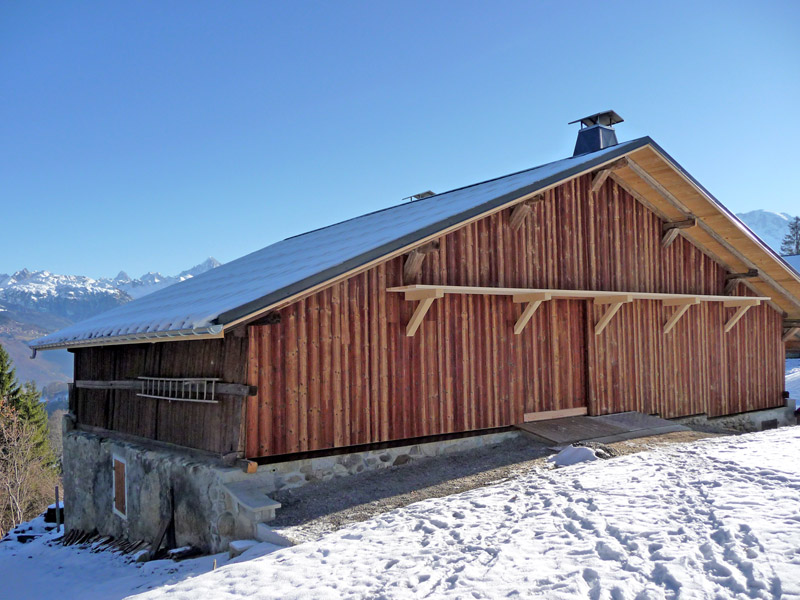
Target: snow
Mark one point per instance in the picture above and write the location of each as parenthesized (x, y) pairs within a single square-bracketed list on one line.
[(276, 270), (793, 380), (719, 518), (572, 455)]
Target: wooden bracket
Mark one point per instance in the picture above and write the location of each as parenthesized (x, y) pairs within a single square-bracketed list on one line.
[(522, 210), (790, 333), (673, 228), (413, 265), (733, 279), (614, 304), (426, 298), (682, 304), (742, 306), (603, 174), (534, 301)]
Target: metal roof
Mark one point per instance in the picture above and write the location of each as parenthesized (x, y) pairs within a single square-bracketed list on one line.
[(204, 304)]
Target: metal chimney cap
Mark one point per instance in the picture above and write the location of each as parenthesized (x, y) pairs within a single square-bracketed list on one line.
[(608, 118)]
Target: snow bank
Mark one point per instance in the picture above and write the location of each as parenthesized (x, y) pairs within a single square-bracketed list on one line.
[(572, 455)]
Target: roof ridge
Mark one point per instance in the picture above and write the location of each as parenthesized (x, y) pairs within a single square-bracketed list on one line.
[(458, 189)]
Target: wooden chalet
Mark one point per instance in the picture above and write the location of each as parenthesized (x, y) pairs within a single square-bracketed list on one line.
[(609, 281)]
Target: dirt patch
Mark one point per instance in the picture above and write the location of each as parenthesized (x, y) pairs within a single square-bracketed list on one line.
[(319, 508)]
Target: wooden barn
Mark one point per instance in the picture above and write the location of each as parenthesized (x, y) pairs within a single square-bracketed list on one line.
[(605, 282)]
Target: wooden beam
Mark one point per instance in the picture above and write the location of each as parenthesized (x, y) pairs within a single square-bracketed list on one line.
[(598, 296), (231, 389), (534, 301), (671, 230), (791, 322), (600, 177), (670, 236), (426, 298), (522, 210), (413, 265), (612, 309), (613, 299), (790, 333), (547, 415), (743, 308), (518, 215), (684, 224), (747, 275), (741, 302), (682, 307)]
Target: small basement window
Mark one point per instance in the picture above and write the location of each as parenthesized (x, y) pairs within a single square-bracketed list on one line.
[(120, 486)]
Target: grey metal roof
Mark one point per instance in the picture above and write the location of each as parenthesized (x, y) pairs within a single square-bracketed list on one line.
[(206, 303)]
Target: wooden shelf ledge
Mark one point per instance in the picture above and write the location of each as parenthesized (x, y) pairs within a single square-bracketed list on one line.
[(426, 294)]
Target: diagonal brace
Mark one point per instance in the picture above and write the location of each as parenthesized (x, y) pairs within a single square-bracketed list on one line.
[(534, 302), (426, 298), (614, 304), (683, 305)]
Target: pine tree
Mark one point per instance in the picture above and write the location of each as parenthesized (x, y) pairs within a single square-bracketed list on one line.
[(9, 387), (25, 401), (791, 242)]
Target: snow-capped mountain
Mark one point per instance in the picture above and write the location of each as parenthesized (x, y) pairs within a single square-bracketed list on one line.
[(770, 226), (73, 297), (152, 281), (35, 303)]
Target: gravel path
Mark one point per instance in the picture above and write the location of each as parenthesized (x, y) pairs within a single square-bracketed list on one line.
[(318, 508)]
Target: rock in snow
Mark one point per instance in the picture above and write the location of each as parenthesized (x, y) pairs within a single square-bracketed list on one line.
[(572, 455)]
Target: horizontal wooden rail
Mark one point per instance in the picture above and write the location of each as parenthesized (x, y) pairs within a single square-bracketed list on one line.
[(571, 294), (230, 389), (613, 299)]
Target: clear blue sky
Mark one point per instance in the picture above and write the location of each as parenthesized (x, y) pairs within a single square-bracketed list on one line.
[(150, 135)]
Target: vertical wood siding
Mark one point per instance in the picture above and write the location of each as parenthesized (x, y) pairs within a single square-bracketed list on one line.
[(338, 370), (212, 427)]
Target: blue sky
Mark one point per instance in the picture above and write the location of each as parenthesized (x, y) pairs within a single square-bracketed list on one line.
[(150, 135)]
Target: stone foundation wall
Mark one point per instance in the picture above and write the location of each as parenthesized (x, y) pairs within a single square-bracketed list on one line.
[(296, 473), (207, 515), (203, 510), (746, 422)]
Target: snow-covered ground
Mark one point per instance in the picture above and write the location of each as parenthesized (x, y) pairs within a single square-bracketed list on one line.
[(718, 518)]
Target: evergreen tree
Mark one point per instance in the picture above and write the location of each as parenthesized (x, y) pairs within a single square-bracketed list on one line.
[(25, 401), (9, 387), (791, 242)]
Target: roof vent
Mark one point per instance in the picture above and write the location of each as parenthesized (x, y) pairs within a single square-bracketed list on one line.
[(597, 132), (420, 196)]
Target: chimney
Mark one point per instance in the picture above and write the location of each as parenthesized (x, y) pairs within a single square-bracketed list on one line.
[(597, 132)]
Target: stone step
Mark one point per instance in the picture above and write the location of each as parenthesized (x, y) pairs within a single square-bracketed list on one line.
[(238, 547), (251, 498)]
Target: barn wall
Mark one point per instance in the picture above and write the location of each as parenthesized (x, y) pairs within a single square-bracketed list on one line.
[(338, 369), (213, 427)]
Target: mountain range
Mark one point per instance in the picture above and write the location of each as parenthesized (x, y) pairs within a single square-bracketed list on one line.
[(34, 303), (770, 226)]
